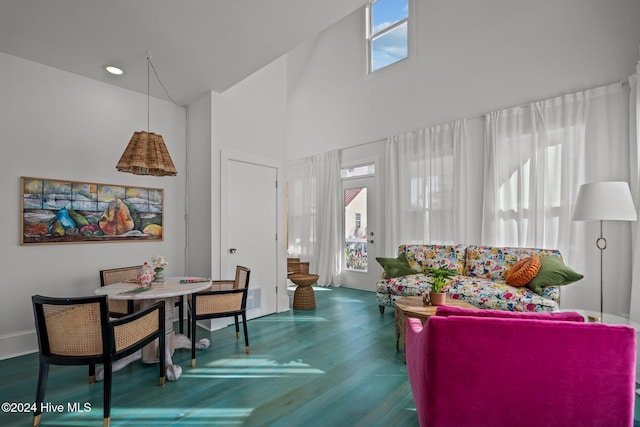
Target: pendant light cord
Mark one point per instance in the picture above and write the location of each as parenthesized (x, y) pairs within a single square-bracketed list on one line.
[(150, 67), (186, 181), (148, 96), (159, 81)]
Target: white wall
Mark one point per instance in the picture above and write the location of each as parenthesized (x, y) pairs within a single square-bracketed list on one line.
[(250, 118), (199, 213), (54, 124), (469, 58)]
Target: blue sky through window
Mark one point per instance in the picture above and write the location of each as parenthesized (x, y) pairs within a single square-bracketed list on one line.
[(391, 46), (387, 12)]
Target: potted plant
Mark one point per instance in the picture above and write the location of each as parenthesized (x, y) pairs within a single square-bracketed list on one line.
[(438, 281)]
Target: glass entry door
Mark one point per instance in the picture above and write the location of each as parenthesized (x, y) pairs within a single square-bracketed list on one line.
[(359, 235)]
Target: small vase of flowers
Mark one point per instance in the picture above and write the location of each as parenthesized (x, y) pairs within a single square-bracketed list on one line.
[(158, 262), (145, 276)]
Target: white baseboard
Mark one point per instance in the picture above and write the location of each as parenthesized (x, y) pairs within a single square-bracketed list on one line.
[(18, 343)]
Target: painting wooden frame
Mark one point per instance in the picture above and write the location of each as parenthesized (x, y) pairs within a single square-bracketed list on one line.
[(58, 211)]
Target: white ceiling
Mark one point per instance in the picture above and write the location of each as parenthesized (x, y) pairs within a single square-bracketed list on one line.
[(196, 45)]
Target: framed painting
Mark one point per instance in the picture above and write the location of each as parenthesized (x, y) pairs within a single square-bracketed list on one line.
[(56, 211)]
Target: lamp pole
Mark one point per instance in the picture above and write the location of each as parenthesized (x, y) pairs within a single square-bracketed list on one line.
[(601, 243)]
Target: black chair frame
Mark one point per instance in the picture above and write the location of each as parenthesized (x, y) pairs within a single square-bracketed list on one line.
[(106, 357)]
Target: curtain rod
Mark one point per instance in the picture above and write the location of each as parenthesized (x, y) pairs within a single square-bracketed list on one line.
[(621, 83), (477, 116)]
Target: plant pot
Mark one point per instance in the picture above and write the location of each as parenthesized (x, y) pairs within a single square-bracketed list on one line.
[(437, 298)]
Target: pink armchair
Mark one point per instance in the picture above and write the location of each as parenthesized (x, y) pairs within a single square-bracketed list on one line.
[(520, 369)]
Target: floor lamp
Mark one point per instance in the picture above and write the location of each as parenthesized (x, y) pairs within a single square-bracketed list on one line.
[(604, 201)]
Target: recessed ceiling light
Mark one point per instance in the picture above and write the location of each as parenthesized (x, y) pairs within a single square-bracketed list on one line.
[(114, 70)]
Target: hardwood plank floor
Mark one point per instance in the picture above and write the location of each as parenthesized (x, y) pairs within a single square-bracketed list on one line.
[(332, 366)]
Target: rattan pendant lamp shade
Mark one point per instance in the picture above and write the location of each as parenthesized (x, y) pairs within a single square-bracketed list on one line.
[(146, 153)]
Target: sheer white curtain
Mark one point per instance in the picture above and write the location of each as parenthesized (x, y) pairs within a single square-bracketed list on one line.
[(315, 212), (534, 166), (424, 197), (536, 158), (634, 163)]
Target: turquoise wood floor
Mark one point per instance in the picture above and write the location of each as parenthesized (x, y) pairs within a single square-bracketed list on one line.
[(332, 366)]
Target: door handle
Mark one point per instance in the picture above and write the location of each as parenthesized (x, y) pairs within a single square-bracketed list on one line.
[(232, 250), (371, 241)]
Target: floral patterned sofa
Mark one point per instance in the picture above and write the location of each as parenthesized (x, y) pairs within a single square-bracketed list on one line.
[(480, 280)]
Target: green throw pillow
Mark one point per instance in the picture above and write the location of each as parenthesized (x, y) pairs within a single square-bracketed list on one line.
[(394, 267), (553, 272)]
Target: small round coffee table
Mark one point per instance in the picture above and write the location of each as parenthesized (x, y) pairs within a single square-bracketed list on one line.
[(304, 298), (415, 307)]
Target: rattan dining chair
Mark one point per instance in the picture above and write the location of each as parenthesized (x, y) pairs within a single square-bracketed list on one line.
[(119, 308), (217, 302), (77, 331)]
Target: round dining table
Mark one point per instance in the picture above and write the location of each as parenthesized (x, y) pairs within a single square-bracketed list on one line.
[(166, 291)]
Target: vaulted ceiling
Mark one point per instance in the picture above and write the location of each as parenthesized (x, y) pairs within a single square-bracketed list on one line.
[(196, 45)]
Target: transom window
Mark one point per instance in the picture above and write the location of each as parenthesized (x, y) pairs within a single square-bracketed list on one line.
[(358, 171), (387, 32)]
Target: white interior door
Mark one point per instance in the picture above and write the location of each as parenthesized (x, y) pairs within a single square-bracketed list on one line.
[(359, 269), (249, 229)]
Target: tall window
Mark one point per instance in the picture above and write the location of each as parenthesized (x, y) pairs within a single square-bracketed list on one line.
[(387, 32), (430, 201), (517, 198)]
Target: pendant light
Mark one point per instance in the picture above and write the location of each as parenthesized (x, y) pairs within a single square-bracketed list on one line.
[(146, 153)]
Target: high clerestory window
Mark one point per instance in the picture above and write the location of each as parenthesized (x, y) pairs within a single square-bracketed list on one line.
[(387, 32)]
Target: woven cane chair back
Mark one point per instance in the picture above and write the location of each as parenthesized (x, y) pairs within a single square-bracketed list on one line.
[(115, 275), (129, 334), (209, 302), (74, 329), (119, 308), (242, 278), (225, 298)]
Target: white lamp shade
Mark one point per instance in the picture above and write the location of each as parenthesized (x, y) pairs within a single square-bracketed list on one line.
[(610, 201)]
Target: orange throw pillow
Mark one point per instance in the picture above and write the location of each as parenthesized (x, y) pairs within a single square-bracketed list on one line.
[(523, 271)]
